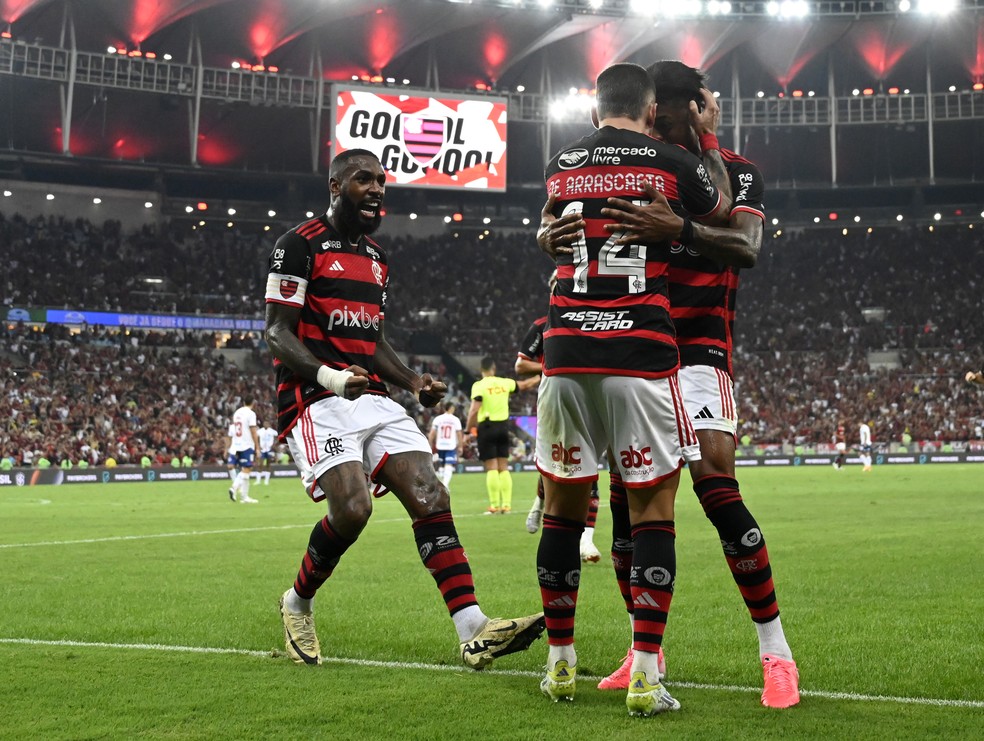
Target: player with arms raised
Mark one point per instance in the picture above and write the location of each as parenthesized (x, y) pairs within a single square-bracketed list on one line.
[(326, 302)]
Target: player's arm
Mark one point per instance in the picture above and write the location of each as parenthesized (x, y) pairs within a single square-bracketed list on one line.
[(432, 438), (394, 371), (975, 377), (526, 384), (256, 438), (287, 281), (557, 236), (527, 367), (531, 347), (461, 442), (738, 244), (705, 121), (281, 336)]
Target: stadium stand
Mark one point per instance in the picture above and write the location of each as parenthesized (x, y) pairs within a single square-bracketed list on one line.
[(812, 317)]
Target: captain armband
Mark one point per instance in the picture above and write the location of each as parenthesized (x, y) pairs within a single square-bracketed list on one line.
[(286, 289)]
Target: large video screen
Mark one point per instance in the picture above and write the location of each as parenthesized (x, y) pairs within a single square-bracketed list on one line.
[(425, 141)]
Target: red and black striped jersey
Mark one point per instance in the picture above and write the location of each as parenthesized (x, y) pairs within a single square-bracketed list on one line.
[(610, 310), (703, 292), (341, 292), (531, 348)]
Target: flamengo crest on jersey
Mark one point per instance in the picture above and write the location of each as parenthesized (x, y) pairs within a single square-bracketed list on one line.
[(342, 301), (703, 292), (610, 311)]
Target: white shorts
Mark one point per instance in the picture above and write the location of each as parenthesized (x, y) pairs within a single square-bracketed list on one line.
[(840, 447), (642, 420), (368, 430), (709, 396)]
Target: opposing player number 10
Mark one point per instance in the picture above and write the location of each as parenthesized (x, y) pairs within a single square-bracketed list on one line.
[(631, 264)]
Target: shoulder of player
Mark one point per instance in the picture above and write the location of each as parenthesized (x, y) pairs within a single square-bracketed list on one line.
[(733, 159), (292, 240), (375, 251)]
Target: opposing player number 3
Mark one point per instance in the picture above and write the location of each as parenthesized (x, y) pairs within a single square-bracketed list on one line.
[(627, 260)]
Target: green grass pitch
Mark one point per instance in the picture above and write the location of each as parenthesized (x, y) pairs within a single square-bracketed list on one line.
[(106, 589)]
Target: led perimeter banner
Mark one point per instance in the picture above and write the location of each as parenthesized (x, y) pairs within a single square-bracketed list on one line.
[(447, 142)]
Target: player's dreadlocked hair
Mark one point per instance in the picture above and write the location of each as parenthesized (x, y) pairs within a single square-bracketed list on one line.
[(338, 164), (675, 82), (623, 90)]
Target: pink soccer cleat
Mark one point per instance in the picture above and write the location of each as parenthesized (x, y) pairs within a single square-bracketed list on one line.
[(781, 682)]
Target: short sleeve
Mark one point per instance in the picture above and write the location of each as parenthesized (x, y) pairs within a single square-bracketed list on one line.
[(289, 270), (698, 195), (531, 347), (748, 188)]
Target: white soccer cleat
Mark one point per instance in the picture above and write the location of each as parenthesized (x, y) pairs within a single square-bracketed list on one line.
[(249, 500)]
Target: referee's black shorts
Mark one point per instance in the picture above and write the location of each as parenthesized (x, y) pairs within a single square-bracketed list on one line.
[(493, 440)]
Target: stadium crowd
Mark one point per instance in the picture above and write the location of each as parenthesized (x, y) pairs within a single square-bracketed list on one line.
[(817, 303)]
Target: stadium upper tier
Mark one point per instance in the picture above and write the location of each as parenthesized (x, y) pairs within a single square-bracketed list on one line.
[(846, 93)]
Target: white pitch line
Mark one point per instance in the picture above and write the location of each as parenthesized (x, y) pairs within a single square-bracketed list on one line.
[(149, 536), (191, 533), (851, 696)]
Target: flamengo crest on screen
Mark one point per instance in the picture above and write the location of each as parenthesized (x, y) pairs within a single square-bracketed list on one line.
[(425, 141)]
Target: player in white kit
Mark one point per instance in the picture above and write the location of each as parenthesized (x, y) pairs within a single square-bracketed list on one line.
[(242, 447), (447, 440)]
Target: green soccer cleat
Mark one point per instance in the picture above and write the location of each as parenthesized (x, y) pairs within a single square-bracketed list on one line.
[(560, 682), (300, 638), (501, 637), (646, 699)]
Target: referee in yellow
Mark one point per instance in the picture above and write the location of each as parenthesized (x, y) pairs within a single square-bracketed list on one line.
[(490, 413)]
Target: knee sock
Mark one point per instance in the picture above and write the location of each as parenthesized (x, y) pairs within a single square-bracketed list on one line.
[(622, 545), (492, 487), (446, 476), (653, 574), (325, 548), (505, 488), (558, 565), (244, 484), (747, 556), (443, 556), (592, 518)]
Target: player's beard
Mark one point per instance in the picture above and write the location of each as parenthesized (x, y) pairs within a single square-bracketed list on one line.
[(351, 215)]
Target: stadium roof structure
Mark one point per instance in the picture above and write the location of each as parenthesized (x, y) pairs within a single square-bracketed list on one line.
[(245, 84)]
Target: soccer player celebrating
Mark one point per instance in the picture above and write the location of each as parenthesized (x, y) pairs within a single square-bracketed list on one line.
[(703, 279), (447, 441), (610, 362), (243, 444), (326, 301)]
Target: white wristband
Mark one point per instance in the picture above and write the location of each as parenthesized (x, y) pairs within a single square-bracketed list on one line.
[(334, 380)]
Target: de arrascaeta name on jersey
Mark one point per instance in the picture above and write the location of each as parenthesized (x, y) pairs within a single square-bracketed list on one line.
[(604, 182), (599, 321)]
